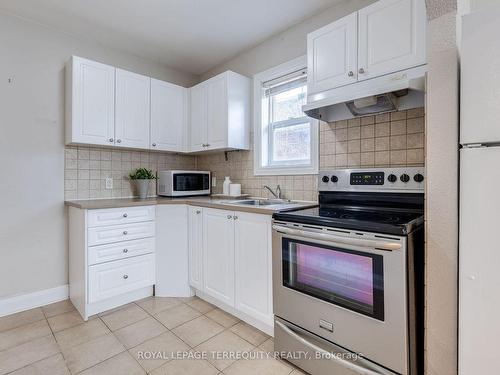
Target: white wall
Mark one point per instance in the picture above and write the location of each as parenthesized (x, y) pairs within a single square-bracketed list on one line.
[(33, 239), (287, 45)]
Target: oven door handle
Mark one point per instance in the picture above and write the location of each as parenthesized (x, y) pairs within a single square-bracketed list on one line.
[(342, 362), (382, 245)]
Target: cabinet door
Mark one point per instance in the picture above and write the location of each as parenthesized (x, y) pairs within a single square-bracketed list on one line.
[(391, 37), (198, 121), (253, 293), (91, 102), (217, 112), (195, 222), (218, 254), (132, 109), (332, 55), (168, 116)]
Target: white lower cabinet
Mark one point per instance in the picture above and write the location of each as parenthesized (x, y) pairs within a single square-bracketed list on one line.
[(110, 265), (218, 254), (230, 262)]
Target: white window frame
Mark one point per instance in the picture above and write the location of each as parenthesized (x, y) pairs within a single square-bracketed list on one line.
[(282, 169)]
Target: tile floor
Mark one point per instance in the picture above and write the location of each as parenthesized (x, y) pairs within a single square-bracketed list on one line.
[(159, 336)]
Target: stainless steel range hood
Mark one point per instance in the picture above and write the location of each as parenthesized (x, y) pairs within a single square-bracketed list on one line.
[(389, 93)]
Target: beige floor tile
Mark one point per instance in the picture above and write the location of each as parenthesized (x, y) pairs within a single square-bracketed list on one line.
[(198, 330), (200, 305), (160, 347), (122, 364), (249, 333), (54, 365), (64, 321), (177, 315), (298, 372), (27, 353), (124, 317), (81, 333), (154, 305), (267, 346), (186, 367), (58, 308), (21, 318), (222, 317), (22, 334), (90, 353), (261, 366), (139, 332), (224, 349)]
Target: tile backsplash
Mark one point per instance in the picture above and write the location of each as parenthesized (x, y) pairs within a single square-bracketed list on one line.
[(86, 170), (388, 140)]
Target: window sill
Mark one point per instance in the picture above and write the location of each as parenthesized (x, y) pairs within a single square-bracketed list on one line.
[(285, 170)]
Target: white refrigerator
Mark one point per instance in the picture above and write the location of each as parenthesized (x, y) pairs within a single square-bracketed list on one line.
[(479, 241)]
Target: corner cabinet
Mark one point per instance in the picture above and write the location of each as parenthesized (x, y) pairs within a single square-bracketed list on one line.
[(385, 37), (220, 113), (230, 262)]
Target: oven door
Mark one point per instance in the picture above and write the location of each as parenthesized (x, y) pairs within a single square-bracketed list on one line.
[(190, 183), (349, 288)]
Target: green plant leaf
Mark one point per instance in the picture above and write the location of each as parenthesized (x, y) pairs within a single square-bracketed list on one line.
[(142, 174)]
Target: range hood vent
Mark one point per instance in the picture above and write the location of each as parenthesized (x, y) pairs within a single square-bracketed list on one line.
[(389, 93)]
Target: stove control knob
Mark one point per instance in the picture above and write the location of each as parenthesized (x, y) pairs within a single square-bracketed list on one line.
[(325, 179), (392, 178), (334, 178), (418, 177), (405, 178)]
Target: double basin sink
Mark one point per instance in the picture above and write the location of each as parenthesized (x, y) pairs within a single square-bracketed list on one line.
[(271, 203)]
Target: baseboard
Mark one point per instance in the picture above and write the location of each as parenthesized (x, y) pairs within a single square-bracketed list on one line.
[(11, 305)]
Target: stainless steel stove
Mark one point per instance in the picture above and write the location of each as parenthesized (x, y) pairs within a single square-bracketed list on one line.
[(348, 275)]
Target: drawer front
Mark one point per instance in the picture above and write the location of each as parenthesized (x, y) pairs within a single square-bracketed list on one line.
[(117, 233), (122, 215), (120, 250), (122, 276)]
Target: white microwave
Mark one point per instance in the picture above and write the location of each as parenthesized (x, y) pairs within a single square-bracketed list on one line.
[(175, 183)]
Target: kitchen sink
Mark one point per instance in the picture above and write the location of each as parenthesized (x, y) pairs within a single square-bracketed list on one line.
[(263, 202)]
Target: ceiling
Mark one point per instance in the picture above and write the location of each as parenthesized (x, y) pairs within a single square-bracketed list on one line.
[(190, 35)]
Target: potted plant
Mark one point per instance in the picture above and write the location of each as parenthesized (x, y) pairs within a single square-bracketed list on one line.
[(142, 177)]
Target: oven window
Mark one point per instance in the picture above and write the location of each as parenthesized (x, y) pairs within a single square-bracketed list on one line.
[(347, 278), (191, 181)]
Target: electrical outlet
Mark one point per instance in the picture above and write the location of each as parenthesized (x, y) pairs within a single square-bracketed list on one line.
[(214, 181), (109, 183)]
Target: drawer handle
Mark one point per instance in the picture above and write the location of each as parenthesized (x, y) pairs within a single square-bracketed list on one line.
[(125, 250), (125, 215), (125, 277), (125, 232)]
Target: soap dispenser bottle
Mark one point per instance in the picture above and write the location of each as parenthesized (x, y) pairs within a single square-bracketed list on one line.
[(225, 185)]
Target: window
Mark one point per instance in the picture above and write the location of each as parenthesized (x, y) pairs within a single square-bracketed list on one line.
[(285, 139)]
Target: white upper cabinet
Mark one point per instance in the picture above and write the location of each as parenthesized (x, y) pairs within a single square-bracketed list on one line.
[(198, 121), (385, 37), (90, 102), (220, 113), (133, 106), (391, 37), (168, 116), (332, 55)]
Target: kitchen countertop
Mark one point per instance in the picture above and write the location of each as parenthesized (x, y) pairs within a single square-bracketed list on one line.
[(93, 204)]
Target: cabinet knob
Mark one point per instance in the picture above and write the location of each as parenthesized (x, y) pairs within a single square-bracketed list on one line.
[(229, 217), (111, 139), (125, 277), (118, 141), (235, 217), (125, 251), (154, 144), (361, 71), (350, 74), (125, 215), (208, 144), (125, 232), (198, 212)]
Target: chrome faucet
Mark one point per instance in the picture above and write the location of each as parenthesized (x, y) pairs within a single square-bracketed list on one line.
[(276, 194)]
